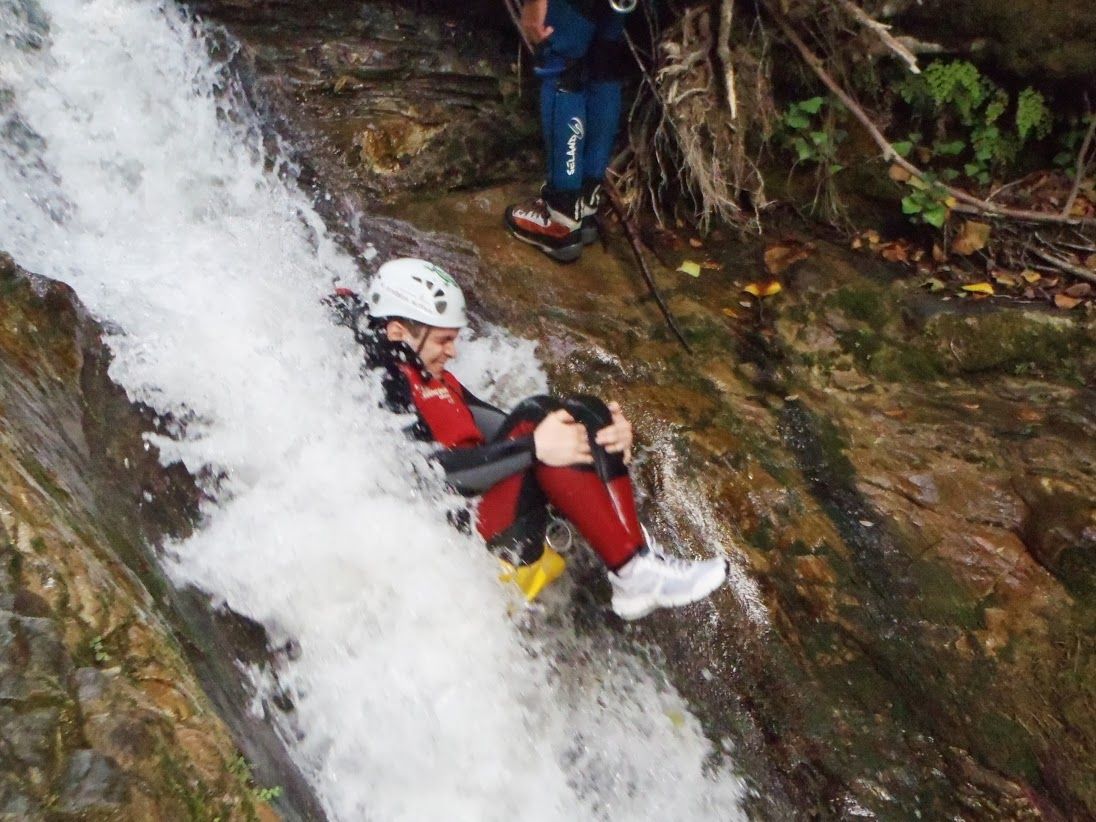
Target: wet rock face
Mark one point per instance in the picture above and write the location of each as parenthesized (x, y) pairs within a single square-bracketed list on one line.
[(100, 714), (907, 480), (1026, 38), (392, 97)]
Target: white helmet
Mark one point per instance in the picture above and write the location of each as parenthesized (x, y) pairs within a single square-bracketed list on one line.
[(417, 290)]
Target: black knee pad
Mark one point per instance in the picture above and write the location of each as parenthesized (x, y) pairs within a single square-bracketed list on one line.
[(608, 61), (534, 409), (589, 410), (595, 415)]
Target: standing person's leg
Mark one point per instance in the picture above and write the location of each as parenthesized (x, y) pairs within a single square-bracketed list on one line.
[(607, 61), (552, 221)]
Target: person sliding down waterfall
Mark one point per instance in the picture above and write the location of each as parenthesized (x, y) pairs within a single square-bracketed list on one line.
[(570, 453), (580, 56)]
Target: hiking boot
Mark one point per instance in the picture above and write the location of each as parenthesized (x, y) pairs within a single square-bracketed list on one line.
[(541, 221), (588, 208), (651, 580)]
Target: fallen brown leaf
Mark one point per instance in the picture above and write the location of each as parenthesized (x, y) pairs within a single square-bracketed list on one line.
[(896, 252), (1030, 415), (1065, 302), (938, 253), (1004, 278), (781, 256), (695, 243), (972, 237), (1079, 290), (895, 413), (1031, 276), (1090, 262), (970, 406), (711, 265), (898, 173)]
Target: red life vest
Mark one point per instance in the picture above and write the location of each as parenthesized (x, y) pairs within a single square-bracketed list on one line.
[(441, 405)]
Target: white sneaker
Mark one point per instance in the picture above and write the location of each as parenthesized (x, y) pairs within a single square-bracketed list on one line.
[(651, 580)]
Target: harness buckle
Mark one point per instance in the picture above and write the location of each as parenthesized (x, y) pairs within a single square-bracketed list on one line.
[(558, 535), (623, 6)]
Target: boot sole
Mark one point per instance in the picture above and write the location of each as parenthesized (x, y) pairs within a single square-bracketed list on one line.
[(566, 254), (639, 608)]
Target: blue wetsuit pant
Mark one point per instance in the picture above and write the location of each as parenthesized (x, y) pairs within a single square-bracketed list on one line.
[(581, 68)]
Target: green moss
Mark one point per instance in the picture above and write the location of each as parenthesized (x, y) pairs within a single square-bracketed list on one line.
[(864, 304), (1005, 744), (1017, 342), (861, 343), (762, 536), (942, 599), (901, 363)]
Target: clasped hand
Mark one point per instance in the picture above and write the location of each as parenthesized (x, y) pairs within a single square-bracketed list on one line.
[(533, 15), (560, 440)]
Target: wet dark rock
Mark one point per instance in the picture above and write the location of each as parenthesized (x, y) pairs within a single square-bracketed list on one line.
[(1025, 38), (95, 694), (391, 97), (91, 783)]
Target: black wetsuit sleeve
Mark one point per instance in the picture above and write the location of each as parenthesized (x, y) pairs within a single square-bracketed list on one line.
[(474, 469), (489, 419)]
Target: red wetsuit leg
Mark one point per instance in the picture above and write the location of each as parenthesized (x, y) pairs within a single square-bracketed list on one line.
[(583, 498), (512, 512)]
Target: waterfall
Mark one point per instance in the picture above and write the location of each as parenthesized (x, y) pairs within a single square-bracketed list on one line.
[(130, 170)]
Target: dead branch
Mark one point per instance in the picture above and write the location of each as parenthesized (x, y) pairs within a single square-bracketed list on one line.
[(723, 52), (882, 31), (1082, 165), (1065, 265), (966, 203), (633, 238), (514, 8)]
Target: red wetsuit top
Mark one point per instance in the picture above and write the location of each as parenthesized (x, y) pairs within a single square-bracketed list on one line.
[(465, 426)]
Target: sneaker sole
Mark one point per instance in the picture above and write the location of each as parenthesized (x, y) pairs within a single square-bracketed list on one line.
[(566, 254), (639, 608)]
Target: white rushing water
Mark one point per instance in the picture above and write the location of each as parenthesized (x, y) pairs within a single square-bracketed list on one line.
[(127, 172)]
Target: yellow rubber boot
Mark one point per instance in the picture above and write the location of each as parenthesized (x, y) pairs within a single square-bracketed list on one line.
[(536, 576)]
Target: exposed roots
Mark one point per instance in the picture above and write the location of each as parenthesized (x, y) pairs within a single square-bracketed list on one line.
[(681, 143)]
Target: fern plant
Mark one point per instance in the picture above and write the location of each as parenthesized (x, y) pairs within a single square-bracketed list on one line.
[(964, 110)]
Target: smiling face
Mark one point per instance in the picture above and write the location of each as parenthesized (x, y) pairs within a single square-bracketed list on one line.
[(435, 346)]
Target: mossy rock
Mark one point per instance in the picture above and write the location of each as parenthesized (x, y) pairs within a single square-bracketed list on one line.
[(1017, 341)]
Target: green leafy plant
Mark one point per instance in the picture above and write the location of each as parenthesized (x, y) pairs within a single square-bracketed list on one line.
[(1069, 143), (241, 769), (927, 201), (267, 794), (98, 652), (964, 110), (809, 132)]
